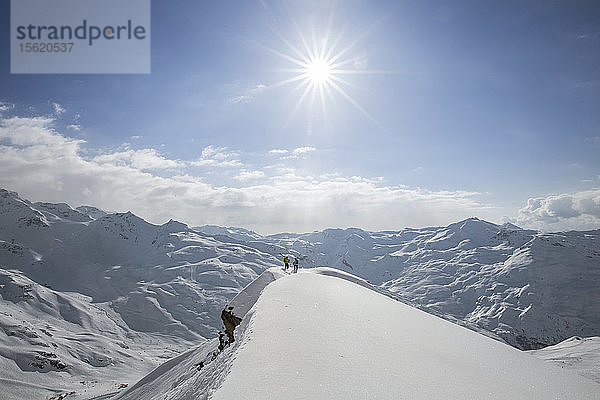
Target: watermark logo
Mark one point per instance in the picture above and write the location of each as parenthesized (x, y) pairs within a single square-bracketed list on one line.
[(80, 36)]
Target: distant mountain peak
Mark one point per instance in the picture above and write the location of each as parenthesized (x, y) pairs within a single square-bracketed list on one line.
[(7, 193), (510, 227), (92, 212), (174, 226), (472, 222)]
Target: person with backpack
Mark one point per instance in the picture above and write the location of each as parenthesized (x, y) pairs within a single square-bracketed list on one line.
[(286, 262), (295, 264)]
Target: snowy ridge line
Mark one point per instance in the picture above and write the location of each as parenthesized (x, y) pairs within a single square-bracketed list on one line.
[(234, 312), (200, 376), (295, 345), (465, 324), (265, 359), (241, 304), (365, 283)]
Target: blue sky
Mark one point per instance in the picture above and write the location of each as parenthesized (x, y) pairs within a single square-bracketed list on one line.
[(486, 108)]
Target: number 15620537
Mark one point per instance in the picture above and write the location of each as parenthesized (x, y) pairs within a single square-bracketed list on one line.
[(46, 47)]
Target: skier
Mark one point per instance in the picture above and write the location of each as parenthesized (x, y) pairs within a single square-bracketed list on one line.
[(286, 261), (295, 264)]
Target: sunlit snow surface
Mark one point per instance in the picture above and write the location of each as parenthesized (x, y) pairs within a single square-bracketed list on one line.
[(316, 336), (578, 354), (91, 302), (530, 288)]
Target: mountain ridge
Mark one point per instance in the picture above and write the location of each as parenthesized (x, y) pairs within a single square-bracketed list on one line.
[(297, 340), (167, 284)]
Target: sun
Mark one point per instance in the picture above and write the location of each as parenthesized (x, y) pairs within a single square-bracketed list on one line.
[(319, 72), (321, 69)]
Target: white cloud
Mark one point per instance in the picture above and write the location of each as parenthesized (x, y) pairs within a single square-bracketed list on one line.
[(580, 210), (58, 109), (145, 159), (136, 137), (303, 150), (278, 151), (246, 175), (74, 127), (42, 164), (297, 153), (33, 132), (214, 156)]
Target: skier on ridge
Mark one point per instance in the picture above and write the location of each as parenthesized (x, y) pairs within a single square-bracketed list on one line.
[(295, 264), (286, 261)]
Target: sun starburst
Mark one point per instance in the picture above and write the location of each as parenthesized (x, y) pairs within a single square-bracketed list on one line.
[(319, 72), (317, 67)]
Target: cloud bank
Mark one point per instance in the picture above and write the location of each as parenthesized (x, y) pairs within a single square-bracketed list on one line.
[(43, 164), (576, 211)]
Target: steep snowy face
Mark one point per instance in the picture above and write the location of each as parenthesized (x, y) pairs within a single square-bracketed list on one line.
[(543, 293), (313, 336), (232, 232), (531, 289), (17, 216), (323, 333), (53, 342), (63, 271), (164, 278)]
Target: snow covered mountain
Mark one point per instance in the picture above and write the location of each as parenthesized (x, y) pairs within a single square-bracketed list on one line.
[(94, 301), (91, 301), (232, 232), (530, 288), (323, 334)]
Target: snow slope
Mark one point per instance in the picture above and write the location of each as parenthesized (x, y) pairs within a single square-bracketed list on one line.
[(318, 334), (579, 354), (102, 299), (53, 343), (529, 288), (85, 293)]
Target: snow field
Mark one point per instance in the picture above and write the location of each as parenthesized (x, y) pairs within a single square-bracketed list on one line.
[(91, 302), (316, 336), (579, 354)]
